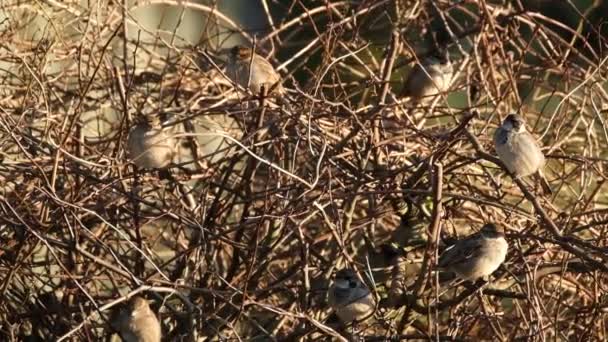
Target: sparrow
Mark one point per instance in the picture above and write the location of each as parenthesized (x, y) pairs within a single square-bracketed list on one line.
[(476, 256), (150, 146), (350, 297), (138, 322), (430, 77), (519, 150), (252, 71)]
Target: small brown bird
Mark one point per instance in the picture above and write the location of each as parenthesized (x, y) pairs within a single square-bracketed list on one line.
[(520, 151), (430, 77), (350, 297), (252, 71), (138, 323), (150, 146), (476, 256)]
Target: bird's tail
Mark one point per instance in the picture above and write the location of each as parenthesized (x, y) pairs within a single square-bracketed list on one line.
[(544, 184)]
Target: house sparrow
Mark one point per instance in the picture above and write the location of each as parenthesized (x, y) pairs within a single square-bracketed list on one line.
[(430, 77), (138, 323), (149, 146), (476, 256), (519, 150), (252, 71), (350, 297)]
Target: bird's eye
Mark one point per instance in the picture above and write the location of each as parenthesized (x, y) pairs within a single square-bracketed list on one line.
[(352, 284)]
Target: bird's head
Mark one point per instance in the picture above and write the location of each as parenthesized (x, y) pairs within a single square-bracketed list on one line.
[(240, 52), (138, 304), (346, 278), (515, 123), (492, 230)]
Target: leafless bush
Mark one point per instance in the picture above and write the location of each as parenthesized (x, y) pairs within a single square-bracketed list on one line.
[(240, 239)]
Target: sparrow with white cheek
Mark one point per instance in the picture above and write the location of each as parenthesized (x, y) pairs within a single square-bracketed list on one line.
[(149, 146), (519, 150), (350, 297), (432, 76), (252, 71), (476, 256), (138, 322)]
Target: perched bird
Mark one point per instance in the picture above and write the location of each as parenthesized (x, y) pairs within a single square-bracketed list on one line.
[(350, 297), (138, 323), (476, 256), (150, 146), (252, 71), (519, 150), (430, 77)]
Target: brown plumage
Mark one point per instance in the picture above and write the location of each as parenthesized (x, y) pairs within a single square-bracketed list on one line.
[(350, 297), (138, 322), (430, 77), (252, 71), (520, 151), (149, 146), (476, 256)]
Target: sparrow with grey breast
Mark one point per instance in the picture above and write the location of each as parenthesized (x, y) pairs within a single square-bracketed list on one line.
[(432, 76), (520, 151), (350, 297), (252, 71), (138, 323), (149, 146), (476, 256)]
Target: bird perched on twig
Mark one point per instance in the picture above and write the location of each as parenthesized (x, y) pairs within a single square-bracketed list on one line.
[(476, 256), (138, 322), (519, 150), (432, 76), (350, 297), (252, 71), (150, 146)]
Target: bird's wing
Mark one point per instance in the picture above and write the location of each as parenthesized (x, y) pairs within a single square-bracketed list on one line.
[(500, 136), (461, 252), (415, 80), (266, 69), (527, 143), (339, 296), (360, 292)]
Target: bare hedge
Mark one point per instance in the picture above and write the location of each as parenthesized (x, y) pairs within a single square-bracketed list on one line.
[(266, 199)]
